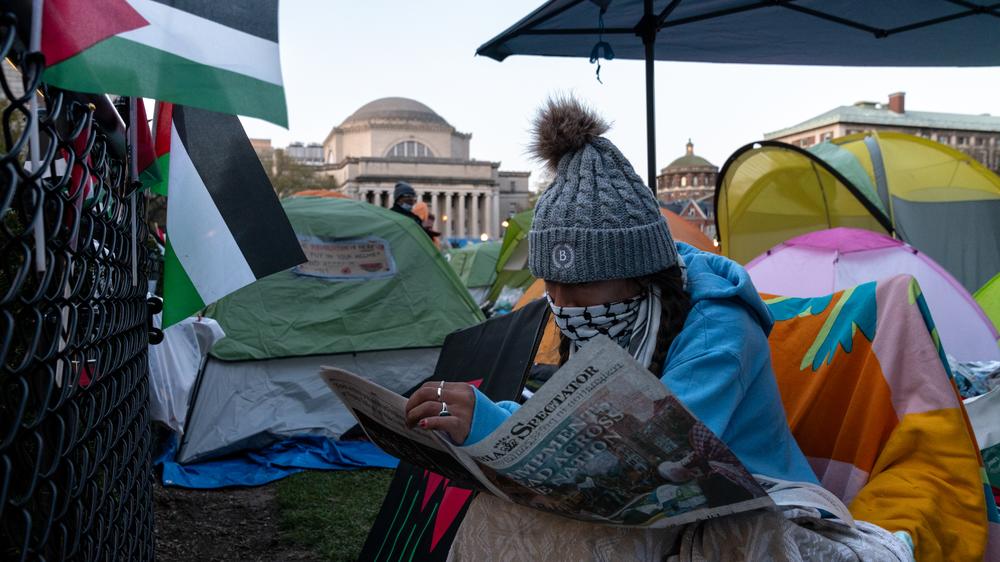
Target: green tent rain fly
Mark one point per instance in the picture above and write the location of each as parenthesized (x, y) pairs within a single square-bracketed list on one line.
[(375, 297)]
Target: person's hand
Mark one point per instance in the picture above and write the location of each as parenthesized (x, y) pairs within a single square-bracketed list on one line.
[(423, 409)]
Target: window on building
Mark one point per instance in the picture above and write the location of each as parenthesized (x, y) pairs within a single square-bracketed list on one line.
[(962, 141), (684, 181), (828, 135), (410, 149)]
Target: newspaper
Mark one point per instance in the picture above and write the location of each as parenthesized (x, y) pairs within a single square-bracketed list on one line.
[(602, 441)]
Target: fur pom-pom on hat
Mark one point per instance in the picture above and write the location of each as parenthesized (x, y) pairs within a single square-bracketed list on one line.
[(561, 126)]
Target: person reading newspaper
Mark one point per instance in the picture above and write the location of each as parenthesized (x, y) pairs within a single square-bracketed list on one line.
[(603, 441), (696, 322)]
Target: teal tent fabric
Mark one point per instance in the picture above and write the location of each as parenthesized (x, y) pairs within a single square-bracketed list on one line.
[(475, 264), (844, 162), (296, 313), (512, 265)]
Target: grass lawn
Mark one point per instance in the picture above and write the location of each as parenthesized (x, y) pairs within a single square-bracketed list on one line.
[(330, 512)]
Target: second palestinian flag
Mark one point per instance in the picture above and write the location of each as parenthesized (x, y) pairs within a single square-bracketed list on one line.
[(162, 124), (225, 226), (218, 55)]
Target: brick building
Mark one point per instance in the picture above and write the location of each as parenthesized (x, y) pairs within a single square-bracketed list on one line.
[(976, 135)]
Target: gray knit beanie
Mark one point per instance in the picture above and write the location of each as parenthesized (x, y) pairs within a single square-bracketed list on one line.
[(598, 220)]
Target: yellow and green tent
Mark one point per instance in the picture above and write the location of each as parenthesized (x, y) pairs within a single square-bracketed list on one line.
[(937, 199), (988, 297)]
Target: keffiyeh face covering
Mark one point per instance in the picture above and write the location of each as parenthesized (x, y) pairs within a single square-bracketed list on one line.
[(582, 323), (632, 323)]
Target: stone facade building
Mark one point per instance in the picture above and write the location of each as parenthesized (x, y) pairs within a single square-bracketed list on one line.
[(687, 177), (976, 135), (400, 139)]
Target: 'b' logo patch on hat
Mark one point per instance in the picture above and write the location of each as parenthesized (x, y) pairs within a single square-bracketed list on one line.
[(563, 256)]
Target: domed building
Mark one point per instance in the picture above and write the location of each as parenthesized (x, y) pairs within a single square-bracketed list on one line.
[(687, 187), (687, 177), (400, 139)]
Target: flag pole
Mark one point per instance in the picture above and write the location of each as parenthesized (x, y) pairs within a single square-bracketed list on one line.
[(133, 139), (35, 45)]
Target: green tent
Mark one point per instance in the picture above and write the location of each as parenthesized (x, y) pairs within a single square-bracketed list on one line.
[(988, 297), (475, 264), (512, 265), (375, 298), (410, 298)]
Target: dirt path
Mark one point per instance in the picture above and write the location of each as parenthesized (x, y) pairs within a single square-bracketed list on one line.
[(237, 524)]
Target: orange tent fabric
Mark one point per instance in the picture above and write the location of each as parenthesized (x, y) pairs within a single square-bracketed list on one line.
[(871, 403), (685, 231)]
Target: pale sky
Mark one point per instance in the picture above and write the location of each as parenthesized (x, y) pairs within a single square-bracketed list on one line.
[(338, 55)]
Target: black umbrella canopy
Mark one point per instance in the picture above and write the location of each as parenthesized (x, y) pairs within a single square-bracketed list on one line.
[(805, 32)]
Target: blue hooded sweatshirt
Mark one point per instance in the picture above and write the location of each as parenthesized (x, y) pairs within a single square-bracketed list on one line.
[(719, 366)]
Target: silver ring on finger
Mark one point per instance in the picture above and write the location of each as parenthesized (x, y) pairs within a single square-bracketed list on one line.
[(439, 394), (444, 410)]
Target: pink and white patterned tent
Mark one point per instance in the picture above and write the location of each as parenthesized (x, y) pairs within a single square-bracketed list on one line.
[(820, 263)]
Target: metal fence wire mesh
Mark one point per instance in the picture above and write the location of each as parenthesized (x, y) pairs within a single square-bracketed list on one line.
[(75, 473)]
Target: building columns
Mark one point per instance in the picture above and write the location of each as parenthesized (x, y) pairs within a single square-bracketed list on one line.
[(487, 219), (495, 209), (435, 195), (470, 211), (447, 214), (461, 231), (484, 212), (474, 227)]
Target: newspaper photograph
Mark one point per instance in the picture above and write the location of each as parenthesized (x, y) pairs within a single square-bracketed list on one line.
[(602, 441)]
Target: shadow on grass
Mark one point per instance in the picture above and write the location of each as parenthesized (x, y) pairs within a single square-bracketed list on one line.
[(330, 512)]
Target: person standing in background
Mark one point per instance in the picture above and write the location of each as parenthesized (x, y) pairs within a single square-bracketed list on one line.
[(404, 197)]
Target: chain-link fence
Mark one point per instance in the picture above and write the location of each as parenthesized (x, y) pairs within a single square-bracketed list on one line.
[(75, 444)]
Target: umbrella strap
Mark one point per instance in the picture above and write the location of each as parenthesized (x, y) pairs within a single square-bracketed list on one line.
[(602, 49)]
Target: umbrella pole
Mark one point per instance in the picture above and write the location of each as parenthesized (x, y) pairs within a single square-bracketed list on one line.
[(647, 29)]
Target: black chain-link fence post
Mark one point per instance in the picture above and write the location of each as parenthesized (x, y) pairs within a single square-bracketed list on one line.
[(75, 442)]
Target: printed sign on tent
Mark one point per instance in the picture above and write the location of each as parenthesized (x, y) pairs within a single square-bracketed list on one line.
[(355, 259)]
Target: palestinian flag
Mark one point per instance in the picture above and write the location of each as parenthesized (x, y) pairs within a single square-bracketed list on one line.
[(149, 169), (161, 144), (225, 226), (220, 55)]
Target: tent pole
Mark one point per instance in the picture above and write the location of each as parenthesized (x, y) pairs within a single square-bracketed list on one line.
[(647, 29)]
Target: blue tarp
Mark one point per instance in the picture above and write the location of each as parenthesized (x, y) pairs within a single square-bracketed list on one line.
[(282, 459), (819, 32)]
